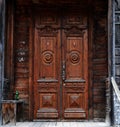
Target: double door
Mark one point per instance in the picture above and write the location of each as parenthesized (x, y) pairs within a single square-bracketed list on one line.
[(60, 64)]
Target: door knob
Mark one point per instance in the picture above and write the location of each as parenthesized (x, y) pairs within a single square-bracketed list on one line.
[(64, 84)]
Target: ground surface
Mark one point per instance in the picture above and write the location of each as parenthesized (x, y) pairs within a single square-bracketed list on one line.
[(57, 124)]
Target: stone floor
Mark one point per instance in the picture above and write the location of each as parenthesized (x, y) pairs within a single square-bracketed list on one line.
[(57, 124)]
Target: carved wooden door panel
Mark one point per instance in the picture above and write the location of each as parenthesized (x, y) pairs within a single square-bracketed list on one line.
[(47, 62), (75, 66), (60, 65)]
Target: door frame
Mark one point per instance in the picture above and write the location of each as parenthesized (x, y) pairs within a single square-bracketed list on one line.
[(31, 54), (31, 65)]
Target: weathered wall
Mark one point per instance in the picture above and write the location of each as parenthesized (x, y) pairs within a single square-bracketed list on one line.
[(21, 51), (100, 55)]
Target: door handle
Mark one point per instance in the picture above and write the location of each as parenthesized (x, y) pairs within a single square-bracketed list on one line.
[(64, 84), (63, 71)]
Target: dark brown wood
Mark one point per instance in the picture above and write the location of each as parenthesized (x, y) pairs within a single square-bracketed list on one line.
[(9, 57), (12, 111), (8, 113), (47, 65), (61, 2), (75, 56), (1, 45), (61, 65), (90, 64), (25, 53), (22, 54), (99, 59), (31, 50)]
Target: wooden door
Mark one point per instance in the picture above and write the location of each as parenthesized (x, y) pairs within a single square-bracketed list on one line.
[(47, 65), (75, 65), (60, 65)]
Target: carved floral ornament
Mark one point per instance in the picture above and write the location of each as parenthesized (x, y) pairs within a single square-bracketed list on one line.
[(72, 30), (67, 29), (47, 30)]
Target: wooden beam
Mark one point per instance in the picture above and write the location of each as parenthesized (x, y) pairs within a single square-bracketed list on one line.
[(9, 57), (110, 60), (2, 31), (0, 47)]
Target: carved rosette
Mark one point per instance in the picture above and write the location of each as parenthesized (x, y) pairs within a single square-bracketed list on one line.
[(47, 57), (74, 57)]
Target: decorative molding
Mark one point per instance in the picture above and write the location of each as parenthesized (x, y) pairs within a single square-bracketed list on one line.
[(75, 89), (74, 19), (46, 89), (72, 30), (45, 30)]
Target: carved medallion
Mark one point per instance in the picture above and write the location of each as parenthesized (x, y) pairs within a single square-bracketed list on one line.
[(47, 57), (74, 57)]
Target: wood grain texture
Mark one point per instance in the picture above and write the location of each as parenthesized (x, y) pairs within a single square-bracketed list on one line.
[(46, 65), (54, 64), (8, 114), (1, 46), (76, 41), (100, 69), (22, 53)]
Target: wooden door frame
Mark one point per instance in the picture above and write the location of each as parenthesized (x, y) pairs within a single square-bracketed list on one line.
[(90, 65), (31, 66), (31, 70), (31, 54)]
